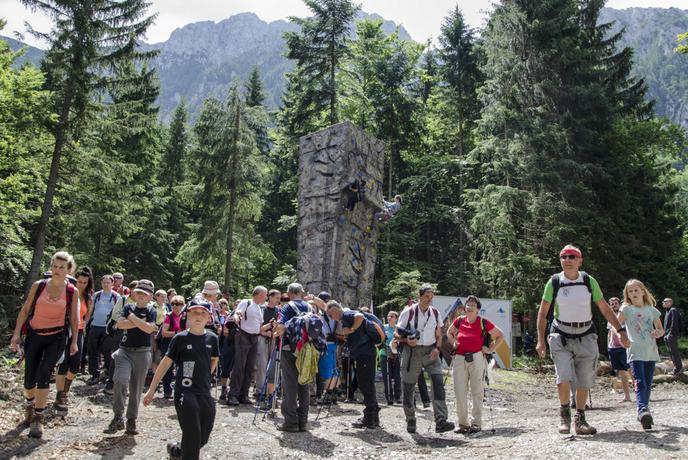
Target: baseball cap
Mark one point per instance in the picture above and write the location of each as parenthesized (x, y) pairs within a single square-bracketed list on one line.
[(200, 302), (145, 286), (324, 296)]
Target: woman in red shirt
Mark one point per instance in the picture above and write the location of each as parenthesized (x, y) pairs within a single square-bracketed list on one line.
[(46, 337), (472, 337), (70, 365)]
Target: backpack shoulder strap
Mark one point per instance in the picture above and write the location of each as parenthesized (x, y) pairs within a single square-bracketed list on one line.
[(586, 281), (39, 290), (437, 316), (96, 298), (556, 282)]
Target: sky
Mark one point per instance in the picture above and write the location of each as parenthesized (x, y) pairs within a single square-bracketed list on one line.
[(421, 18)]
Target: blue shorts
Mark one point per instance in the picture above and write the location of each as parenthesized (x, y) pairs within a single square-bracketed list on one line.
[(618, 358), (327, 366)]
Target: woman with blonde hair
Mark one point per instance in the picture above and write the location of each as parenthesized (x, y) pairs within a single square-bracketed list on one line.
[(50, 305)]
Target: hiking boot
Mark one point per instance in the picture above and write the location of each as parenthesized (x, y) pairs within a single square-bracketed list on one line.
[(265, 405), (93, 380), (411, 425), (443, 426), (565, 420), (474, 429), (61, 402), (28, 415), (109, 388), (246, 401), (288, 428), (131, 426), (174, 450), (233, 401), (116, 424), (426, 404), (303, 425), (463, 429), (36, 427), (167, 395), (390, 402), (582, 426), (363, 423), (324, 400), (376, 418), (645, 419), (223, 394)]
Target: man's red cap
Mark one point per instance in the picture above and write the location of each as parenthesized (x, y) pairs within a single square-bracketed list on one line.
[(571, 250)]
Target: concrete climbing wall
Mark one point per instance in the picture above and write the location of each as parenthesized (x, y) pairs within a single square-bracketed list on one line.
[(337, 248)]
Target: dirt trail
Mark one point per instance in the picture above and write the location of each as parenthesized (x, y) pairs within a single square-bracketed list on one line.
[(524, 408)]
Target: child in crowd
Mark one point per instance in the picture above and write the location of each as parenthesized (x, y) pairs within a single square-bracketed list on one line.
[(642, 319), (195, 354)]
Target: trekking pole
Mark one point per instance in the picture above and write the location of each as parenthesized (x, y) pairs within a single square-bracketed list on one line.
[(261, 396), (278, 377), (485, 396), (329, 402)]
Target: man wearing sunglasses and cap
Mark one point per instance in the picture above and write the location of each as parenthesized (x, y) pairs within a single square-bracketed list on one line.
[(572, 337)]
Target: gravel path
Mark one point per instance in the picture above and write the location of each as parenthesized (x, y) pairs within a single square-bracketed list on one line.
[(524, 408)]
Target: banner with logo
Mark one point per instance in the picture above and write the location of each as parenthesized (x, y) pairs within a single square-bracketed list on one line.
[(496, 310)]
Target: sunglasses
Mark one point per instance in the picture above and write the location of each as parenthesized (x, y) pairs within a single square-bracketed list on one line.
[(568, 256), (177, 303)]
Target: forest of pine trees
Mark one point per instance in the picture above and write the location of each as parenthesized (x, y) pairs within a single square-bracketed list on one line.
[(506, 143)]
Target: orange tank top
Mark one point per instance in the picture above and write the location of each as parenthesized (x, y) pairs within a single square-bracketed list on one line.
[(83, 311), (48, 312)]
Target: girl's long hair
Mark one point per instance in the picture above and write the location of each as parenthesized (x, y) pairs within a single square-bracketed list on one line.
[(86, 271), (648, 298)]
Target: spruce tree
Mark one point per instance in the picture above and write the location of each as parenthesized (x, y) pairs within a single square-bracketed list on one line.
[(88, 40), (318, 50), (228, 175)]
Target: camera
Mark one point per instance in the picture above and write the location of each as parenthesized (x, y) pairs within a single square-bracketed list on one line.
[(409, 333), (468, 357)]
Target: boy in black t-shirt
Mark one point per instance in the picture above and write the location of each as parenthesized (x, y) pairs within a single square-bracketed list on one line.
[(195, 354)]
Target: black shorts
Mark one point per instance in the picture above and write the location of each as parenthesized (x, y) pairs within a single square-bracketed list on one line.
[(619, 359)]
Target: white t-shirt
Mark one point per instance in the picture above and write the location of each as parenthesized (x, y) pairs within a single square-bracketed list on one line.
[(426, 323), (251, 316), (572, 304)]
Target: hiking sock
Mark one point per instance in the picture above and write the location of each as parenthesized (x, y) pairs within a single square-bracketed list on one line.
[(580, 413), (30, 401), (39, 410), (566, 406)]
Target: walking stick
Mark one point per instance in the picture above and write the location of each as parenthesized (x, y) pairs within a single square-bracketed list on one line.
[(261, 396), (278, 377)]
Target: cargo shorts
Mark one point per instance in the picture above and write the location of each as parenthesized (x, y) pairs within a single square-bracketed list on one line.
[(576, 361)]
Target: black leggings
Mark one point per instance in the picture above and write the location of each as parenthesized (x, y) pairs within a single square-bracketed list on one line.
[(196, 416), (72, 362), (42, 353)]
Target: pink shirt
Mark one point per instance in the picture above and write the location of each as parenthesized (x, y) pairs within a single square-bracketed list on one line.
[(174, 320)]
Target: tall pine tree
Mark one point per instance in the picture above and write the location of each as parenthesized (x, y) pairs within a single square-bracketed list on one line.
[(88, 40)]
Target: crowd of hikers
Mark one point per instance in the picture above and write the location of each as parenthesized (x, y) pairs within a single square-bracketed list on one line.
[(292, 350)]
